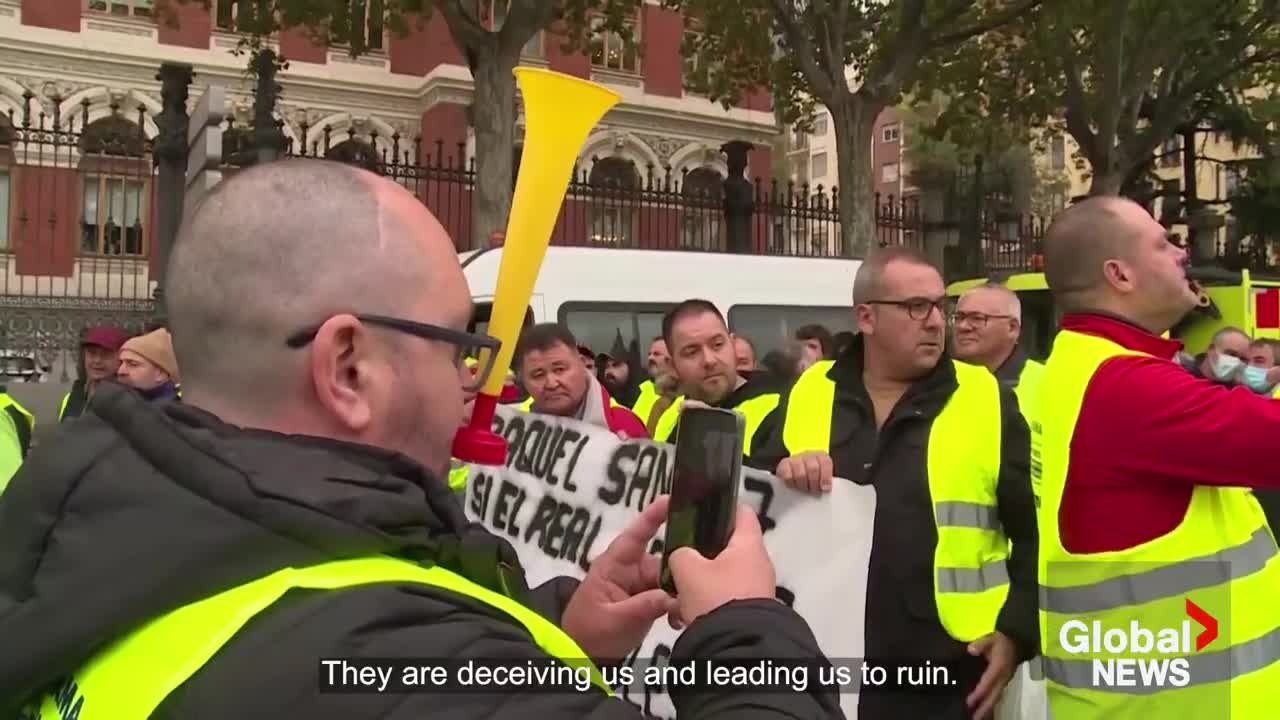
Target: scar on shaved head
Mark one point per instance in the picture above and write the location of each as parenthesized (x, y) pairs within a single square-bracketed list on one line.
[(1079, 241), (275, 248), (1009, 302)]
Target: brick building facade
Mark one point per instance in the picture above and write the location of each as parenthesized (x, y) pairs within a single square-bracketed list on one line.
[(74, 225)]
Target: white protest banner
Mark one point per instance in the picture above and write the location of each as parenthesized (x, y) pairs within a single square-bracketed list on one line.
[(569, 488)]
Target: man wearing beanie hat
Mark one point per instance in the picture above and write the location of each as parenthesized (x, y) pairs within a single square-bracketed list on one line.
[(99, 360), (147, 364)]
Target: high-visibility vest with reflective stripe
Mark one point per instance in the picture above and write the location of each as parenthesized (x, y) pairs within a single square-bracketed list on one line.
[(1222, 557), (62, 409), (1028, 386), (131, 677), (24, 416), (10, 451), (754, 410), (971, 580), (644, 403)]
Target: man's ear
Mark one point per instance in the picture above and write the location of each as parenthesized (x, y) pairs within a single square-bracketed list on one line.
[(340, 373), (1118, 274)]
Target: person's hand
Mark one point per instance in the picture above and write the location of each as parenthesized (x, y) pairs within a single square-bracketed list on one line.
[(615, 605), (1273, 376), (742, 571), (807, 471), (1002, 658), (687, 403)]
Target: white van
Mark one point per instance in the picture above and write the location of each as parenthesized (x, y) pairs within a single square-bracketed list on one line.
[(602, 293)]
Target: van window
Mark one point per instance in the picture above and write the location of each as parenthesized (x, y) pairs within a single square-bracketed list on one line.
[(770, 327), (480, 318), (599, 325)]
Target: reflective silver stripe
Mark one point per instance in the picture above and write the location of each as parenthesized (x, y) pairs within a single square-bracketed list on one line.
[(1207, 667), (967, 514), (1171, 580), (973, 580)]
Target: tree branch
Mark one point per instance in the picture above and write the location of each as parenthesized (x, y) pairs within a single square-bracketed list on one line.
[(802, 47), (991, 23), (1077, 106), (1111, 70), (463, 25), (903, 53)]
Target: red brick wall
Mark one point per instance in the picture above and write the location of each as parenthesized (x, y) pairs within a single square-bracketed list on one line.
[(757, 99), (427, 46), (56, 14), (194, 26), (445, 122), (296, 46), (578, 64), (662, 65)]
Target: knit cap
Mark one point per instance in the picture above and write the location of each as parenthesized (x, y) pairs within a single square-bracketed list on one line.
[(157, 347)]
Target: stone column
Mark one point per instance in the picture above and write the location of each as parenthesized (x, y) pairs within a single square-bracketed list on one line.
[(170, 156), (739, 200)]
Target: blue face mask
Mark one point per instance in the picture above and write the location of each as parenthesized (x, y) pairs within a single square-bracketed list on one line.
[(1256, 379)]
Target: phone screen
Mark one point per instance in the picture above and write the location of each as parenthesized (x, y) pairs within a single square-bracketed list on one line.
[(704, 485)]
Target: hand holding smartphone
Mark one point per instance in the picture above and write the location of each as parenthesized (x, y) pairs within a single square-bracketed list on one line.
[(704, 485)]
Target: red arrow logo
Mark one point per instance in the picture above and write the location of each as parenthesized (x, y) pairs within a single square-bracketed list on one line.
[(1207, 621)]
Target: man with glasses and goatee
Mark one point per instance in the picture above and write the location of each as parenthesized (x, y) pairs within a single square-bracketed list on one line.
[(206, 558), (952, 574)]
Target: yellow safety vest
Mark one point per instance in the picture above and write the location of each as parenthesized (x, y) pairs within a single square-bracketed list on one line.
[(644, 404), (458, 474), (10, 451), (755, 410), (62, 409), (971, 580), (130, 678), (1028, 387), (1222, 557), (25, 416)]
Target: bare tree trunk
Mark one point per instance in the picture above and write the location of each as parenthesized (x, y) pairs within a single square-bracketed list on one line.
[(493, 118), (1107, 182), (854, 118)]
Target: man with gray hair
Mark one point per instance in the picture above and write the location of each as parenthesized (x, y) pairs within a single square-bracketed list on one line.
[(1224, 360), (986, 326), (226, 556)]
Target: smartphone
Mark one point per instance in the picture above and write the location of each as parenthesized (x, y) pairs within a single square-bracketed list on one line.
[(704, 484)]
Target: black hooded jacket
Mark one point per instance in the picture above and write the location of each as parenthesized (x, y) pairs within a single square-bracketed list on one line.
[(137, 509)]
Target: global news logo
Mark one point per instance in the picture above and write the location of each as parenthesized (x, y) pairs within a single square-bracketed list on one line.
[(1141, 644)]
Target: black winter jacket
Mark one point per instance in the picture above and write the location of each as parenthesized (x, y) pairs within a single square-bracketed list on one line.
[(901, 612), (138, 509)]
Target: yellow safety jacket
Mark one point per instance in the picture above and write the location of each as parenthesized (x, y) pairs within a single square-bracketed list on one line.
[(130, 678), (644, 403), (458, 474), (971, 580), (24, 423), (755, 410), (1222, 557), (1028, 387)]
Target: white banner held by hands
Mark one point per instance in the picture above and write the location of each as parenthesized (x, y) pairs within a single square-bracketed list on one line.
[(569, 488)]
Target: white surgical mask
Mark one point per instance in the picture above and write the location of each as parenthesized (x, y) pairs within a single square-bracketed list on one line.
[(1225, 366)]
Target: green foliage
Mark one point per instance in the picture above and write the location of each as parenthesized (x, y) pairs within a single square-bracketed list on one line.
[(1120, 75), (1256, 201)]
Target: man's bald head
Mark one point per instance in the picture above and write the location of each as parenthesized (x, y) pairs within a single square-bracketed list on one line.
[(1109, 254), (283, 245), (1079, 241)]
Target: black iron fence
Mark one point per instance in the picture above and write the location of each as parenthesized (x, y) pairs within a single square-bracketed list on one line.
[(77, 232)]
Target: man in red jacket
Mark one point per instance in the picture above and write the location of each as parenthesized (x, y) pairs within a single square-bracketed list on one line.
[(553, 373), (1136, 458)]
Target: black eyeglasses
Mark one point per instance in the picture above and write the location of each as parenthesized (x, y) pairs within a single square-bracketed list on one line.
[(976, 319), (475, 351), (917, 308)]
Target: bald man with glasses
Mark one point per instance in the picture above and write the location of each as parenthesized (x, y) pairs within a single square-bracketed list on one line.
[(986, 327)]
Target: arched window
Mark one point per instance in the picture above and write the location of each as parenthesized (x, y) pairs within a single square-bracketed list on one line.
[(355, 151), (702, 193), (115, 187), (616, 185)]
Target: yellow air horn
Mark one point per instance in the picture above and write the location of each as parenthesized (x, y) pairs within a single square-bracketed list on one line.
[(560, 111)]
